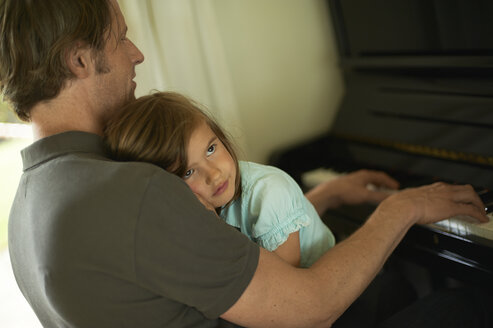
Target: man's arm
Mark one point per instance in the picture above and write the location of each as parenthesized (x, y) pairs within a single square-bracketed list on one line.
[(280, 295)]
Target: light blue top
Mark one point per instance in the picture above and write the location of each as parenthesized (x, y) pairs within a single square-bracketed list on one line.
[(271, 207)]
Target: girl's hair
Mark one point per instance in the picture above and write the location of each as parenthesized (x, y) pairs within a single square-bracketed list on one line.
[(157, 128)]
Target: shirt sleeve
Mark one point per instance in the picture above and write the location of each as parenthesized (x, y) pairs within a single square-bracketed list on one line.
[(186, 253), (276, 203)]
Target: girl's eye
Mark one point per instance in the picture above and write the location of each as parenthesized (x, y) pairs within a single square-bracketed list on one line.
[(188, 174), (211, 150)]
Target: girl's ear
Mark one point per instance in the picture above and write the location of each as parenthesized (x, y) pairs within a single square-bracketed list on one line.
[(79, 60)]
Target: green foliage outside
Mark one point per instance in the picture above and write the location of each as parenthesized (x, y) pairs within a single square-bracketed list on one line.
[(10, 172), (6, 114)]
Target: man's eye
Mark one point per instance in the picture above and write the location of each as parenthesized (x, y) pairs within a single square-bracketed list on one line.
[(188, 174), (211, 150)]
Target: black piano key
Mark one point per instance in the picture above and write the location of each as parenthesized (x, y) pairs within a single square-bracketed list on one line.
[(487, 198)]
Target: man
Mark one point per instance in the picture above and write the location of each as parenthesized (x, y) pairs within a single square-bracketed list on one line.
[(96, 243)]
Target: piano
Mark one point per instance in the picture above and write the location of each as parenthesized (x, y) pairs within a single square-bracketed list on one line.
[(418, 105)]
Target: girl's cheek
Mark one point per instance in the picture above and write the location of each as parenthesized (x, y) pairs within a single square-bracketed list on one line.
[(194, 186), (189, 183)]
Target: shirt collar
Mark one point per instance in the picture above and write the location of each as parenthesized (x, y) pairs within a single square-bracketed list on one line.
[(60, 144)]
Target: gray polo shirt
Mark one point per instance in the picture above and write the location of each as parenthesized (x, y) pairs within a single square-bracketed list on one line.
[(99, 243)]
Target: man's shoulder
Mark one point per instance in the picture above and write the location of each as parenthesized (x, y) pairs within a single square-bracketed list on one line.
[(98, 175), (133, 174), (137, 170)]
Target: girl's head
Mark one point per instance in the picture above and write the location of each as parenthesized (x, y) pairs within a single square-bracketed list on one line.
[(170, 130)]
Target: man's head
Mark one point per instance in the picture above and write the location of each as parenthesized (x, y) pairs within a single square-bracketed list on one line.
[(37, 39)]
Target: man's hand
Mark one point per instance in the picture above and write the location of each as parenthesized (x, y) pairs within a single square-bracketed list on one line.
[(432, 203), (352, 189)]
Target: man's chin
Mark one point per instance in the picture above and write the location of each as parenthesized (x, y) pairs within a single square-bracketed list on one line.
[(130, 97), (118, 107)]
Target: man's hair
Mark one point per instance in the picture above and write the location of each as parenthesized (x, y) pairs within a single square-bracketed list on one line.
[(157, 128), (35, 39)]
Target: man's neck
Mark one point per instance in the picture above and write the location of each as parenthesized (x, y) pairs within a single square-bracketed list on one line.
[(52, 118), (42, 131)]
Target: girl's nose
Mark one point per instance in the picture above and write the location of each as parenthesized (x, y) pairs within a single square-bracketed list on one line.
[(213, 173)]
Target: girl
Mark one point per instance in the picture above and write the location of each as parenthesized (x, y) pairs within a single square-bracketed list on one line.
[(263, 202)]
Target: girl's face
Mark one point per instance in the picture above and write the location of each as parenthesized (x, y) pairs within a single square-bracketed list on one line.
[(211, 171)]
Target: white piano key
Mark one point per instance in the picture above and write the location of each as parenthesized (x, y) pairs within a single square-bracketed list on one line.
[(314, 177), (465, 226)]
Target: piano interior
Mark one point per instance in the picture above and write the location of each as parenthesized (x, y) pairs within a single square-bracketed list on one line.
[(418, 104)]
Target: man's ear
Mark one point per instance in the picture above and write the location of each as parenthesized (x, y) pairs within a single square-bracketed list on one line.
[(79, 60)]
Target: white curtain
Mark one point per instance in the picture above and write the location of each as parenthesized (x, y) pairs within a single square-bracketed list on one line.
[(184, 52)]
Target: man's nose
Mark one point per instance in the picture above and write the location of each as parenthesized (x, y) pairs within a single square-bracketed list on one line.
[(137, 55)]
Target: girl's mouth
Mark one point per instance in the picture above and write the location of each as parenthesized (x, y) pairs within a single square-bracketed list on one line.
[(221, 188)]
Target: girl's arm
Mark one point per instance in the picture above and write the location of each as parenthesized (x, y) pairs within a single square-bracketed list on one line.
[(290, 251)]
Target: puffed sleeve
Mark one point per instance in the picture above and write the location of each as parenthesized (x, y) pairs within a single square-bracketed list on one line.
[(276, 204)]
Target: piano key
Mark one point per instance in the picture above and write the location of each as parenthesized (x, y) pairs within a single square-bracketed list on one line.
[(314, 177), (465, 226), (487, 198)]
